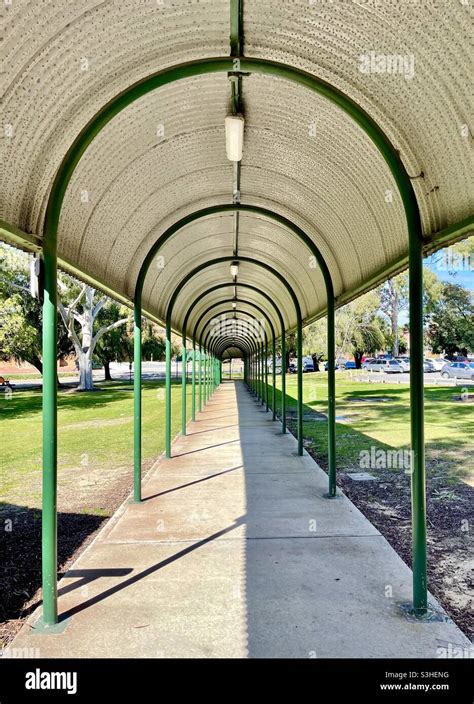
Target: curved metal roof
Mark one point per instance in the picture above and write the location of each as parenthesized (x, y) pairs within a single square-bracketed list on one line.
[(163, 157)]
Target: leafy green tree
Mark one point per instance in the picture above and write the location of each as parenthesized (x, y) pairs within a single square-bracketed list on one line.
[(450, 327), (315, 341), (360, 327), (113, 345), (153, 343), (21, 318)]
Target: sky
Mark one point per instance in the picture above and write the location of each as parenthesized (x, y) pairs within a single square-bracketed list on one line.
[(448, 268)]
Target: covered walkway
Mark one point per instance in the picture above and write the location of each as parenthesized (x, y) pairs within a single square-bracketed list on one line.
[(234, 171), (235, 551)]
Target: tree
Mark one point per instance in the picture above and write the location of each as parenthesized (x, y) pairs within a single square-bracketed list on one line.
[(315, 341), (113, 346), (450, 328), (361, 327), (153, 343), (83, 311), (393, 300), (21, 320)]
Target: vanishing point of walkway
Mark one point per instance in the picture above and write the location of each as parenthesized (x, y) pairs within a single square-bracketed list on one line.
[(235, 552)]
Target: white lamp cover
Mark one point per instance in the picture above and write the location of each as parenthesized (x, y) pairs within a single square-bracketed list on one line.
[(234, 137), (234, 269)]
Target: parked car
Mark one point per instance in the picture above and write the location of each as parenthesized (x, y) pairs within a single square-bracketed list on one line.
[(366, 362), (394, 366), (350, 364), (308, 365), (292, 368), (428, 366), (375, 365), (438, 363), (390, 366), (326, 366), (460, 370), (405, 362)]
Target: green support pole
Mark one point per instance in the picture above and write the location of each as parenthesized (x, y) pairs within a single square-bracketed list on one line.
[(283, 382), (266, 375), (331, 397), (168, 392), (183, 385), (262, 354), (274, 379), (204, 359), (200, 378), (209, 377), (418, 480), (259, 361), (255, 371), (137, 401), (299, 354), (50, 438), (193, 383)]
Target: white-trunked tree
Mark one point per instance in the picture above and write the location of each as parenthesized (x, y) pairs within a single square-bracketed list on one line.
[(82, 312)]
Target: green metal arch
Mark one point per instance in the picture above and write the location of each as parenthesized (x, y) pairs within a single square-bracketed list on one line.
[(52, 217), (238, 285), (331, 430), (229, 341), (235, 208), (226, 324), (294, 298), (215, 65), (230, 300), (248, 340), (221, 260)]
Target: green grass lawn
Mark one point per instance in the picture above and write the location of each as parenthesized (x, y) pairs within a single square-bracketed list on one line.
[(95, 429), (386, 423)]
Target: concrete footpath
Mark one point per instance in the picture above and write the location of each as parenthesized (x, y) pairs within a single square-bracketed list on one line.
[(235, 552)]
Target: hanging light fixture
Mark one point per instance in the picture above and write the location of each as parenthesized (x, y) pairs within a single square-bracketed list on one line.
[(234, 136), (234, 269), (234, 305)]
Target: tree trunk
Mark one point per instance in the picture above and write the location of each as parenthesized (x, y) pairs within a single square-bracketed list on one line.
[(86, 382), (358, 359), (394, 320), (107, 375)]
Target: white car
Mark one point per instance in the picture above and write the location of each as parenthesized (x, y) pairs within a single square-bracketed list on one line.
[(405, 362), (389, 366), (438, 364)]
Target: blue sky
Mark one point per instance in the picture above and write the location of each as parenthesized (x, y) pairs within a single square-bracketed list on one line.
[(460, 272), (455, 271)]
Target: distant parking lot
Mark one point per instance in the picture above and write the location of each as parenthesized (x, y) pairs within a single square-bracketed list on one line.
[(404, 378)]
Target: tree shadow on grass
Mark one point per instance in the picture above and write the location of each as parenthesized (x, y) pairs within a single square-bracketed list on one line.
[(26, 403), (20, 543)]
